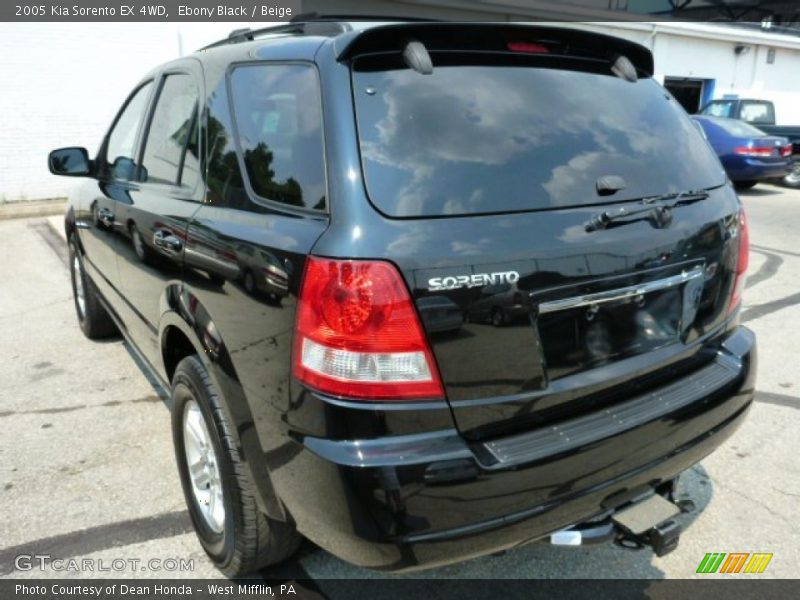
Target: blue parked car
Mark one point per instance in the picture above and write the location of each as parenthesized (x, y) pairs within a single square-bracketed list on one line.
[(748, 154)]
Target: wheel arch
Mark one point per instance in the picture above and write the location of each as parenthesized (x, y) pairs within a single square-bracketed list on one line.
[(187, 328)]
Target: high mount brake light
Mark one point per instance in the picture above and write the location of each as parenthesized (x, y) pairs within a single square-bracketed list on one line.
[(358, 334), (528, 47), (742, 262)]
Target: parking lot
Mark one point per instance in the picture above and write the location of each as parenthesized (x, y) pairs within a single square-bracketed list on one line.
[(87, 469)]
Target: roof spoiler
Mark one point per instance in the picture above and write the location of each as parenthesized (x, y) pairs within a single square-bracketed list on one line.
[(487, 37)]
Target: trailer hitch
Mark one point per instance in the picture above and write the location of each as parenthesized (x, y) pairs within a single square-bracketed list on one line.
[(649, 522), (662, 538)]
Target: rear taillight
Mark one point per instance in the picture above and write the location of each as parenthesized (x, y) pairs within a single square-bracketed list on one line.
[(741, 263), (358, 334), (762, 151), (786, 150)]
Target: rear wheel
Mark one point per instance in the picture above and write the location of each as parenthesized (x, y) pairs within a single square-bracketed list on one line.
[(792, 180), (744, 185), (498, 317), (235, 534), (249, 282), (143, 253), (93, 318)]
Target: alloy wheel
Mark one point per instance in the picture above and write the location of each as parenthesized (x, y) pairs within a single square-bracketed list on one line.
[(203, 466)]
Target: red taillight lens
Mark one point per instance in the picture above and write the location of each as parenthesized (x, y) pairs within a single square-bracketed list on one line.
[(742, 263), (358, 334), (786, 150), (762, 151)]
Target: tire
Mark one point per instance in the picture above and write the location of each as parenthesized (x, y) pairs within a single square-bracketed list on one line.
[(792, 180), (498, 317), (241, 539), (249, 282), (143, 252), (93, 318), (744, 185)]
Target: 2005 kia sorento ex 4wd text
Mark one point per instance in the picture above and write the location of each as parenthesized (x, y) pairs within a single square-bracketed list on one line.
[(365, 176)]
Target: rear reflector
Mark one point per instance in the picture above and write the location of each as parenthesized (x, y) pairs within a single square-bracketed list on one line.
[(358, 334), (742, 263)]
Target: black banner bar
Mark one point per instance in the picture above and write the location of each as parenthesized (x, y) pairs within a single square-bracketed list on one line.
[(771, 15), (395, 588), (149, 10)]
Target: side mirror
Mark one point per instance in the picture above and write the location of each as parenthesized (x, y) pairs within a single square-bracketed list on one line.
[(71, 162)]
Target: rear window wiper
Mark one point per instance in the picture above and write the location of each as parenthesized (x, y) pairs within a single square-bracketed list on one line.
[(657, 208)]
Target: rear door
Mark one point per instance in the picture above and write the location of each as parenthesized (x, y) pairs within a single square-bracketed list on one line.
[(489, 170), (168, 192)]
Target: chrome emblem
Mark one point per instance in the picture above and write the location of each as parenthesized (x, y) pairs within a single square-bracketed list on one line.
[(454, 282)]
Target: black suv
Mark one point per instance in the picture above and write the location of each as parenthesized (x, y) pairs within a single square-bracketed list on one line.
[(292, 227)]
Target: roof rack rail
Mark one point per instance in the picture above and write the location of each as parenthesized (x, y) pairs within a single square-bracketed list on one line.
[(323, 27)]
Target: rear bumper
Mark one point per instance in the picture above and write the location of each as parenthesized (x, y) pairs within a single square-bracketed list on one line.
[(416, 501), (743, 168)]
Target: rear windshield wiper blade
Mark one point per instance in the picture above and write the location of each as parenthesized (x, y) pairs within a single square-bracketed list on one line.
[(681, 198), (657, 208)]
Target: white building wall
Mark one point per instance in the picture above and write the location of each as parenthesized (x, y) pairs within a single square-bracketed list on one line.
[(62, 84), (689, 50)]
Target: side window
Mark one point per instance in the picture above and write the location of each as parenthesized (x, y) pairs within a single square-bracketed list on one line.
[(171, 150), (122, 139), (279, 126)]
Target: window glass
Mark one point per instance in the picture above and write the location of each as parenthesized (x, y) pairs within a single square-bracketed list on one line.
[(718, 109), (121, 140), (739, 128), (171, 146), (475, 138), (279, 126), (757, 112), (225, 183)]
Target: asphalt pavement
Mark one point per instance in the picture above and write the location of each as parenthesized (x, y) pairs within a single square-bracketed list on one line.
[(87, 468)]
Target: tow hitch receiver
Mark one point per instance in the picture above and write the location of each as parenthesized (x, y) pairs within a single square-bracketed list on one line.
[(649, 523)]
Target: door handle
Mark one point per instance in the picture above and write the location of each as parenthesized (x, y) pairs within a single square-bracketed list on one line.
[(167, 241), (105, 216)]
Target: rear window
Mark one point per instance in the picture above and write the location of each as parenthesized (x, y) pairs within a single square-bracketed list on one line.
[(738, 128), (474, 138)]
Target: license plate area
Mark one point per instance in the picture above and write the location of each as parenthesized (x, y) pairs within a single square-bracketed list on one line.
[(588, 330)]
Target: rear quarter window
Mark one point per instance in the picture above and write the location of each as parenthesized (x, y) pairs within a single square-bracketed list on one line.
[(278, 121), (474, 138)]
